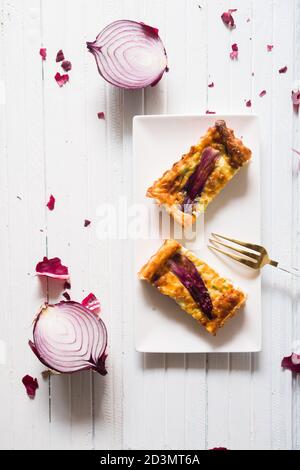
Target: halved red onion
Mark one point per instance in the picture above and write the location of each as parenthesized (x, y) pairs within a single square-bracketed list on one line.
[(67, 338), (129, 54)]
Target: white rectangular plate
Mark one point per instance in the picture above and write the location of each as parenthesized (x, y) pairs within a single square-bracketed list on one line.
[(160, 325)]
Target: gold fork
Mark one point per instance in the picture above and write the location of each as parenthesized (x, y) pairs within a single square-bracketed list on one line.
[(257, 258)]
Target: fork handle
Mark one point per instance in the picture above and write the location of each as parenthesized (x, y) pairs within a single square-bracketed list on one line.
[(290, 270)]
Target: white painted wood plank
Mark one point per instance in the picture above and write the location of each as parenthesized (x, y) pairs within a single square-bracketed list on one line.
[(98, 187), (36, 191), (154, 396), (5, 319), (281, 305), (52, 19), (196, 102), (296, 231), (67, 180), (218, 398), (176, 95), (239, 411), (262, 80), (114, 114), (219, 41), (25, 178), (239, 406), (134, 418)]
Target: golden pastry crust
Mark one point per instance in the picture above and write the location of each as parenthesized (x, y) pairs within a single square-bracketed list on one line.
[(168, 190), (226, 299)]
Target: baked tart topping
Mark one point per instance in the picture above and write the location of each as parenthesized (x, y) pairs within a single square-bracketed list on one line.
[(188, 275), (198, 178), (238, 154)]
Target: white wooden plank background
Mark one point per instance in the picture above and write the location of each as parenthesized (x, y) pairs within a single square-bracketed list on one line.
[(52, 142)]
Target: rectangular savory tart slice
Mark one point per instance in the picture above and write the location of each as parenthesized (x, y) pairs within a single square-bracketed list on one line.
[(193, 182), (196, 287)]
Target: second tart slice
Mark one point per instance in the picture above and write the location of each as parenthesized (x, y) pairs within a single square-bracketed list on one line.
[(196, 287)]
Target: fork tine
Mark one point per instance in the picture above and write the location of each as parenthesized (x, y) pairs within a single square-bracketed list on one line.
[(251, 246), (240, 259), (242, 252)]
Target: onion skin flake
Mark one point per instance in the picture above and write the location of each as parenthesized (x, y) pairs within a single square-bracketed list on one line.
[(52, 268), (31, 386), (51, 203), (43, 53), (92, 303), (292, 363), (228, 19)]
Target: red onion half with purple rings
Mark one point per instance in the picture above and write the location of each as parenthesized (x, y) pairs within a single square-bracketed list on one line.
[(129, 54), (68, 337)]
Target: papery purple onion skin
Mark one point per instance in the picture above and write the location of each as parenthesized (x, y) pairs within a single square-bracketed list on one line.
[(66, 65), (287, 363), (219, 448), (31, 386), (187, 273), (196, 182), (296, 98), (98, 366), (110, 70)]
